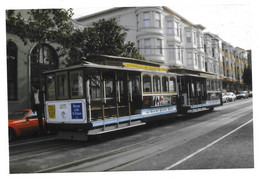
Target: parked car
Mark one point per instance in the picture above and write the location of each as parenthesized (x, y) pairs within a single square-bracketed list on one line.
[(250, 93), (242, 94), (230, 96), (224, 98), (22, 122)]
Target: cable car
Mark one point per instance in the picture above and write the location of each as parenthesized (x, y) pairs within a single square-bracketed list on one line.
[(107, 93)]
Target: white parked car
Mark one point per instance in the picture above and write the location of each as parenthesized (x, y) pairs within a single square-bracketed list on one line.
[(230, 96), (224, 98)]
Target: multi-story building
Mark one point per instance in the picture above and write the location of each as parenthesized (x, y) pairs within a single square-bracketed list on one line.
[(160, 34)]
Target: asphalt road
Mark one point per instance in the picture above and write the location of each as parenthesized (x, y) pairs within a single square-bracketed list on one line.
[(222, 139)]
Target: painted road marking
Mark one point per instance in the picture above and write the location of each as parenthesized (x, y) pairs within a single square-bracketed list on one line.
[(209, 145)]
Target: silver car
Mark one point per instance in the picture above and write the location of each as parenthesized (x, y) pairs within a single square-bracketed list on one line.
[(230, 96)]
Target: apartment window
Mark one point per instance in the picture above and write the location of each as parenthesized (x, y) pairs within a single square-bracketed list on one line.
[(171, 51), (147, 19), (176, 29), (158, 46), (147, 44), (169, 27), (178, 52), (189, 58), (188, 36), (196, 59), (194, 38), (138, 46), (157, 20), (137, 21), (181, 33)]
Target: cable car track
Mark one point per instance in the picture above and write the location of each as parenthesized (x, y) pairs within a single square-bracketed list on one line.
[(145, 149)]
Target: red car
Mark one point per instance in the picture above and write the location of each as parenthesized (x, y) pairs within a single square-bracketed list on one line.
[(22, 122)]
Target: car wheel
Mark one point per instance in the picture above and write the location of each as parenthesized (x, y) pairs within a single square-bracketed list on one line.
[(12, 134)]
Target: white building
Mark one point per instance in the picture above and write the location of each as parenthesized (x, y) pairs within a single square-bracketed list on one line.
[(160, 34)]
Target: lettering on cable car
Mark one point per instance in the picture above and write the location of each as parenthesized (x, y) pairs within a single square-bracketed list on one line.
[(76, 111), (51, 111)]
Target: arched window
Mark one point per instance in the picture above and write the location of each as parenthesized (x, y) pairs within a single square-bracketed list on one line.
[(165, 84), (147, 85), (172, 85), (12, 70), (156, 84), (43, 57)]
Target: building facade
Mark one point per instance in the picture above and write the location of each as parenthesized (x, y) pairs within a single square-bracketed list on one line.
[(164, 36)]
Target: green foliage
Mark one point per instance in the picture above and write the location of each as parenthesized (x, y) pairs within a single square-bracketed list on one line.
[(104, 37), (53, 25), (41, 25)]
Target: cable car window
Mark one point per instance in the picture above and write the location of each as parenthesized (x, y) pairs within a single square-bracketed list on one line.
[(172, 87), (192, 90), (76, 83), (165, 84), (156, 84), (147, 83), (109, 88), (136, 84), (50, 85), (95, 88), (62, 85)]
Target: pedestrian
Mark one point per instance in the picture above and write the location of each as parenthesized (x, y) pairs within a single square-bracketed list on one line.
[(37, 106)]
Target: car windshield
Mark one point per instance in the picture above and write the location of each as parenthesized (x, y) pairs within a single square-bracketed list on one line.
[(17, 114), (242, 92), (229, 94)]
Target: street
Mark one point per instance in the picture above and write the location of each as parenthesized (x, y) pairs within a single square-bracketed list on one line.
[(222, 139)]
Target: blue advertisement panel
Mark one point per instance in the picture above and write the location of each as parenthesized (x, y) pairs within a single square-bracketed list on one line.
[(76, 111)]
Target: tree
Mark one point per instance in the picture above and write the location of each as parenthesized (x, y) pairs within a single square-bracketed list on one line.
[(247, 76), (41, 26), (104, 37)]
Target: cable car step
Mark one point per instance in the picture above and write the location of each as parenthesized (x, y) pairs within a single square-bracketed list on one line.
[(115, 128)]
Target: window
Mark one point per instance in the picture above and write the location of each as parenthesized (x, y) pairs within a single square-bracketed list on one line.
[(76, 83), (156, 84), (176, 29), (50, 84), (147, 44), (171, 51), (165, 84), (178, 53), (12, 70), (147, 83), (189, 58), (196, 59), (208, 84), (169, 27), (158, 46), (188, 36), (95, 87), (172, 87), (194, 38), (137, 21), (157, 20), (62, 85), (147, 19)]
